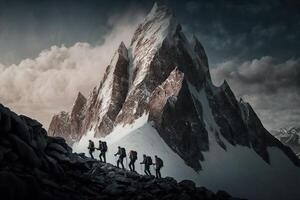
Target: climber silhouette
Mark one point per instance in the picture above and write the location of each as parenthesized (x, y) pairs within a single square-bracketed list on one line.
[(122, 154), (133, 158), (103, 149), (91, 148), (147, 161), (158, 165)]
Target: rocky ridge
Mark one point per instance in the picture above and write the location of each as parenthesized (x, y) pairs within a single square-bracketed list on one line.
[(36, 166), (290, 137)]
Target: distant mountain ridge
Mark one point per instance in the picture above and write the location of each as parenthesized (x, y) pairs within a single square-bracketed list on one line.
[(290, 137)]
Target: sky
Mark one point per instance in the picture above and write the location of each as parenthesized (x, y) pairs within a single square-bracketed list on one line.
[(52, 49)]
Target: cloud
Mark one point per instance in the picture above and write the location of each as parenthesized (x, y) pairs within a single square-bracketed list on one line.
[(49, 83), (272, 87)]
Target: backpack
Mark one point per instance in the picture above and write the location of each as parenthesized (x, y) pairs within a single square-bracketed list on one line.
[(104, 147), (159, 162), (149, 160), (133, 155), (123, 152)]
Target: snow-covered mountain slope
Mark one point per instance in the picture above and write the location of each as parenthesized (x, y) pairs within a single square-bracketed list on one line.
[(168, 105), (238, 169)]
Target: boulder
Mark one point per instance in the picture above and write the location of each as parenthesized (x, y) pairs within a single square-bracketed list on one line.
[(187, 184), (25, 151), (57, 147)]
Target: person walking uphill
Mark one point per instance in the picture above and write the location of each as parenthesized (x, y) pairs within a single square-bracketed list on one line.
[(91, 148), (133, 158), (103, 149), (147, 161), (122, 154), (158, 165)]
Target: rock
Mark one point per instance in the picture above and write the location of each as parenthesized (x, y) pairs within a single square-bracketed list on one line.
[(187, 184), (59, 156), (223, 195), (31, 122), (114, 189), (11, 156), (5, 123), (25, 151), (11, 186), (110, 94), (57, 147), (171, 180), (60, 126), (123, 180), (184, 196)]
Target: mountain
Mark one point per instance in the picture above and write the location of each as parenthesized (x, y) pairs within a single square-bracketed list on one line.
[(167, 105), (290, 137), (39, 167), (68, 126)]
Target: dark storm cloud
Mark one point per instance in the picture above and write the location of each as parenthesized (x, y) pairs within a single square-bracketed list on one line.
[(272, 87), (244, 29)]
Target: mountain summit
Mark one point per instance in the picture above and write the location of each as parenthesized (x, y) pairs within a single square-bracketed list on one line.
[(157, 97)]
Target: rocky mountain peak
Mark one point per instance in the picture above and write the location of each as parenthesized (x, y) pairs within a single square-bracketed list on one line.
[(165, 76), (122, 50)]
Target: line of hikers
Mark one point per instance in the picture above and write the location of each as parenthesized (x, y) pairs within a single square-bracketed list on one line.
[(121, 153)]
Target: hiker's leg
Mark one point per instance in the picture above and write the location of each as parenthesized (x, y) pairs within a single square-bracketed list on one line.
[(104, 156), (159, 174), (130, 166), (121, 161), (133, 166), (100, 157)]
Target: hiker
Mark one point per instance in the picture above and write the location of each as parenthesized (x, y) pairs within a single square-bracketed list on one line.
[(158, 165), (147, 161), (91, 148), (103, 149), (122, 154), (133, 158)]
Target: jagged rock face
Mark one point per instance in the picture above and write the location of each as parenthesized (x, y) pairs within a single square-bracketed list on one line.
[(175, 117), (69, 126), (289, 137), (77, 116), (36, 166), (105, 102), (157, 48), (60, 126)]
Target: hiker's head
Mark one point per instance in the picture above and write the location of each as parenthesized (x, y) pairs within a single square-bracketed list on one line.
[(144, 155), (100, 141), (155, 156), (90, 140), (119, 147)]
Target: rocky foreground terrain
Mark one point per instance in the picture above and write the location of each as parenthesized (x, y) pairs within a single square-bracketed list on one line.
[(36, 166)]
